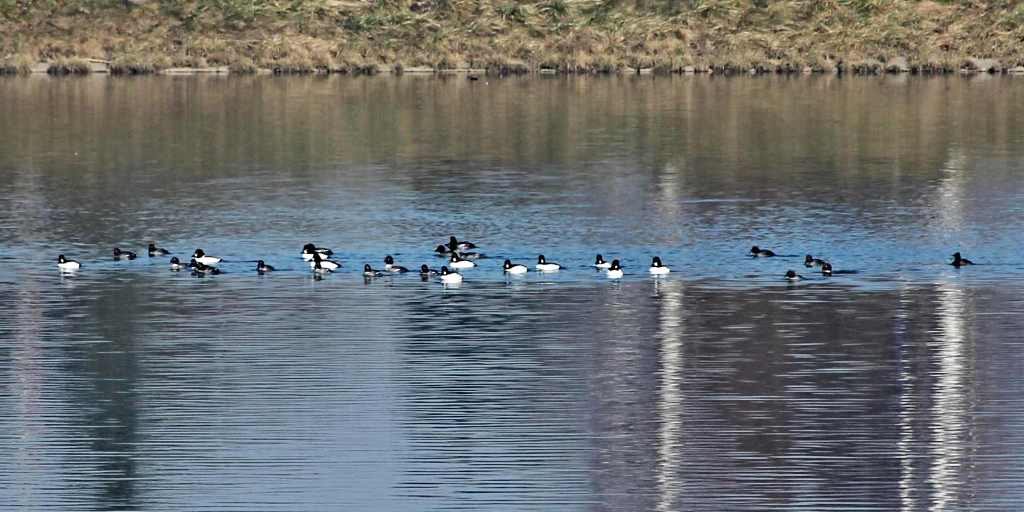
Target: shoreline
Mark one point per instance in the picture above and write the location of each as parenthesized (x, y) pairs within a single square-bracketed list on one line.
[(102, 67)]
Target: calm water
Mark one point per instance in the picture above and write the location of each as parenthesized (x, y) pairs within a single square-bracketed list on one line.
[(720, 387)]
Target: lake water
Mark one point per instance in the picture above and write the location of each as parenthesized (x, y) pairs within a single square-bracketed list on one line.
[(719, 387)]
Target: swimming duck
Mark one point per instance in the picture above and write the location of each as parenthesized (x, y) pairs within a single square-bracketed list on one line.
[(449, 277), (599, 262), (309, 249), (514, 268), (200, 268), (318, 267), (389, 265), (201, 257), (657, 268), (426, 272), (793, 276), (455, 245), (826, 269), (66, 265), (457, 261), (176, 264), (758, 252), (811, 261), (959, 261), (262, 267), (369, 271), (157, 251), (615, 270), (123, 255), (547, 266), (323, 262)]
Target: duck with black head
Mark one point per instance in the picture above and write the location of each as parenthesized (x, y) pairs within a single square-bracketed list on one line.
[(657, 267), (546, 266), (123, 255), (156, 251), (960, 261)]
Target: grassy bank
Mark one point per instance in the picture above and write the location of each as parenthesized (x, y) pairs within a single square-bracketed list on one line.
[(566, 36)]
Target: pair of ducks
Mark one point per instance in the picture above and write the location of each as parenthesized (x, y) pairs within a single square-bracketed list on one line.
[(200, 263), (455, 246), (153, 250), (196, 266)]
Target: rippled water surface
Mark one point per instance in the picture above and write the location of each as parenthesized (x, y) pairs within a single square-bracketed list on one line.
[(897, 385)]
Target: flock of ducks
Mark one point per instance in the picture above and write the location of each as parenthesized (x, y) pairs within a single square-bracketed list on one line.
[(460, 256)]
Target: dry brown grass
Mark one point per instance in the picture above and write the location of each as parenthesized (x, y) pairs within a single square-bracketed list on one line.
[(580, 36)]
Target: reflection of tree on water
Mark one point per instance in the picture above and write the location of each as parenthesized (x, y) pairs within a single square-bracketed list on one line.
[(954, 398), (93, 340), (24, 330), (937, 404), (692, 395), (111, 406), (671, 400)]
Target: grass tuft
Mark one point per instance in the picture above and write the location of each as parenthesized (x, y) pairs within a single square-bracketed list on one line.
[(17, 65), (139, 64), (69, 66)]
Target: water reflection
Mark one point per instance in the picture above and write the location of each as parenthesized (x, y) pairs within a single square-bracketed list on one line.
[(670, 404), (716, 388), (951, 424)]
